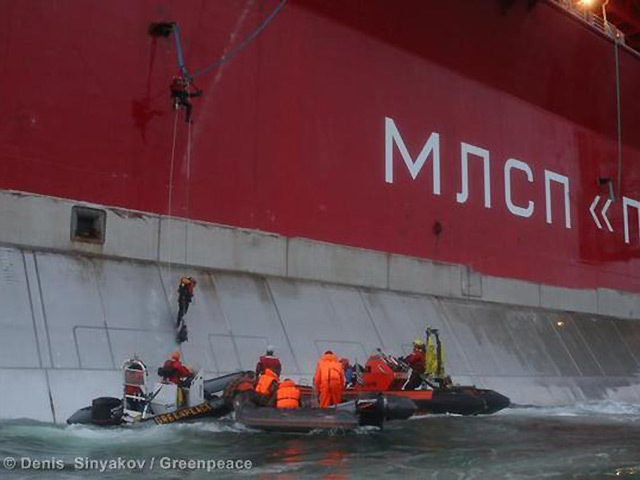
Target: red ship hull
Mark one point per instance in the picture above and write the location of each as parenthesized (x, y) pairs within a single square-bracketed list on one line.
[(292, 135)]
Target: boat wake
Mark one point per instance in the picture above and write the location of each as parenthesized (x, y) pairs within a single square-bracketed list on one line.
[(609, 409)]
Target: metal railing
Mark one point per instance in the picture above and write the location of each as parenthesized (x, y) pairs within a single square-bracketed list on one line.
[(595, 21)]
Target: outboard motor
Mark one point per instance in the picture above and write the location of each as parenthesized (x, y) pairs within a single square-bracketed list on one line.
[(375, 411), (398, 408)]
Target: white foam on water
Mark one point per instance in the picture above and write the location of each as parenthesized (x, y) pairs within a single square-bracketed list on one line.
[(606, 408), (367, 430), (141, 435), (212, 427)]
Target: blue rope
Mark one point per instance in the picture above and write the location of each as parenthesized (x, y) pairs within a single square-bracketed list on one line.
[(176, 36), (241, 46)]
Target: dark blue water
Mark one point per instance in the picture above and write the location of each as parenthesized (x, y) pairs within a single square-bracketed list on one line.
[(592, 441)]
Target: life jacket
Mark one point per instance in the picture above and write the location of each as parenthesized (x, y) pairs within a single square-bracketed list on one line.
[(186, 287), (288, 395), (264, 383), (329, 373)]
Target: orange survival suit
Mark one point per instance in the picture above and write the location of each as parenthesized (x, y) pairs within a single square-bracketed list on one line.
[(329, 380)]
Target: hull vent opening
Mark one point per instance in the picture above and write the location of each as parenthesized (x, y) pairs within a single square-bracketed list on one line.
[(161, 29), (88, 225)]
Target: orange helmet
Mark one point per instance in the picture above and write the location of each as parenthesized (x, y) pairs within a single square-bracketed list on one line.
[(175, 355)]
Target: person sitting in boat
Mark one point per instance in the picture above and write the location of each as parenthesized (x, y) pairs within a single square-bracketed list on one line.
[(288, 395), (269, 360), (349, 372), (174, 371), (416, 360), (329, 380), (267, 388)]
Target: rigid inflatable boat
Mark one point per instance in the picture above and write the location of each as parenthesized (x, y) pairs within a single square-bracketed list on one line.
[(164, 403), (387, 375)]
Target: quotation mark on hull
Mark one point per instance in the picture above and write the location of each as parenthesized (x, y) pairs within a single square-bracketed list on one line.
[(592, 208)]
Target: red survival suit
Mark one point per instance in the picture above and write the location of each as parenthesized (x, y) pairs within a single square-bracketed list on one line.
[(416, 360), (177, 369), (268, 361)]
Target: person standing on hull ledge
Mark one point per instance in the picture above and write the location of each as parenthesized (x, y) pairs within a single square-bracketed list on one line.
[(267, 388), (416, 360), (185, 296), (269, 360), (329, 380)]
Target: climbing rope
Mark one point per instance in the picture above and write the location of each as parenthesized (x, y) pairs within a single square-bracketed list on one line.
[(176, 37), (171, 167), (183, 70), (618, 117), (243, 44), (187, 188)]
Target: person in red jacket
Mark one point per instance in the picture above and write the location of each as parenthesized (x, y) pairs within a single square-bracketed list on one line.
[(174, 371), (269, 360), (416, 361), (182, 89)]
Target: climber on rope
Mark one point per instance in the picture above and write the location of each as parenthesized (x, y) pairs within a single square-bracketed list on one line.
[(182, 89), (185, 297)]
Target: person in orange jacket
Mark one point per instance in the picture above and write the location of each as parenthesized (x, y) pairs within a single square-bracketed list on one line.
[(288, 395), (267, 388), (329, 380)]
